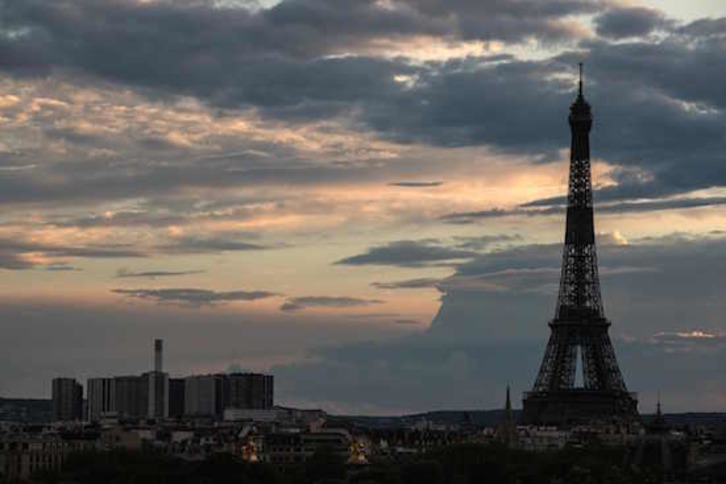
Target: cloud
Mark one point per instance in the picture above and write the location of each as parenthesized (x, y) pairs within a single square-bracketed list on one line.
[(192, 296), (483, 339), (554, 206), (69, 33), (620, 23), (305, 302), (126, 274), (406, 322), (687, 335), (409, 253), (61, 268), (48, 337), (199, 245), (14, 262), (483, 242), (421, 283), (20, 254), (429, 252), (416, 184), (706, 28), (661, 128), (121, 219)]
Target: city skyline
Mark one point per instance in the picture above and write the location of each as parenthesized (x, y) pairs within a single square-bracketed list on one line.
[(371, 212)]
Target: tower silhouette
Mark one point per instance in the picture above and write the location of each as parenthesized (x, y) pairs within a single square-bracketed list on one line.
[(579, 330)]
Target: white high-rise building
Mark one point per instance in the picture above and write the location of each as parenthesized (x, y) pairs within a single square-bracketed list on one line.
[(101, 396)]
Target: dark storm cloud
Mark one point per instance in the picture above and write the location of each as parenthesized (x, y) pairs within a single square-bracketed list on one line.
[(409, 253), (705, 29), (663, 293), (304, 302), (193, 296), (177, 44), (46, 338), (664, 125), (421, 373), (620, 23), (126, 274), (653, 285)]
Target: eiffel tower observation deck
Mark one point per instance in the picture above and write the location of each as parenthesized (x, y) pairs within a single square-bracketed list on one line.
[(579, 330)]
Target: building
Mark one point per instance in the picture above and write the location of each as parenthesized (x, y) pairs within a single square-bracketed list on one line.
[(67, 400), (101, 398), (132, 396), (203, 395), (158, 394), (506, 431), (158, 401), (23, 456), (579, 331), (252, 391), (289, 448), (176, 397), (211, 395), (250, 415)]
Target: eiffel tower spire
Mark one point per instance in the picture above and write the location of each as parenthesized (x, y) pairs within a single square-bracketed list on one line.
[(579, 330)]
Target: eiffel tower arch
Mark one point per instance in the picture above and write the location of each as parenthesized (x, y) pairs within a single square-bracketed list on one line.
[(579, 330)]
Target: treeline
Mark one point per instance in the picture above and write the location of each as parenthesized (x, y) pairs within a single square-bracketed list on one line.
[(462, 464)]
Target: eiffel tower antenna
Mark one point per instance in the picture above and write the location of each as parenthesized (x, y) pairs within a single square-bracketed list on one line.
[(580, 90)]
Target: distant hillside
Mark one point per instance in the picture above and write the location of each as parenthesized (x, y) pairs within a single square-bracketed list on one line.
[(490, 418), (477, 418)]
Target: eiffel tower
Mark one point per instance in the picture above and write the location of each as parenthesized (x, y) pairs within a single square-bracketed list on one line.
[(579, 330)]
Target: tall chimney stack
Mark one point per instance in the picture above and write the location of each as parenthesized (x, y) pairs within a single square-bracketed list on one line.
[(158, 355)]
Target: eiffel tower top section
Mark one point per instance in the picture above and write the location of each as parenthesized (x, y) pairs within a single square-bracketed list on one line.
[(580, 112), (579, 296)]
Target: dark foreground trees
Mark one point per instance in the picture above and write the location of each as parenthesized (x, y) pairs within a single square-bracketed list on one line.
[(462, 464)]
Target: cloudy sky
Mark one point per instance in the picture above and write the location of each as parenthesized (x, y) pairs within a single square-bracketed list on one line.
[(361, 196)]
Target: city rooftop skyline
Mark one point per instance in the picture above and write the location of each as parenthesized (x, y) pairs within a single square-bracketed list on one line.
[(365, 199)]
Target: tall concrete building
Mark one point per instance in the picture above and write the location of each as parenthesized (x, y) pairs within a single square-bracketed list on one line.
[(132, 396), (101, 398), (67, 400), (248, 391), (176, 397), (204, 395), (158, 385)]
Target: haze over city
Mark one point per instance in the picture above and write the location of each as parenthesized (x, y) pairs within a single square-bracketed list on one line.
[(364, 198)]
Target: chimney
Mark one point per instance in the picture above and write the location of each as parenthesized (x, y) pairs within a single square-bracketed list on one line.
[(158, 355)]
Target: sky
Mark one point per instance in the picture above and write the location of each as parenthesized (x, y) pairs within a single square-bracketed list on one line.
[(363, 197)]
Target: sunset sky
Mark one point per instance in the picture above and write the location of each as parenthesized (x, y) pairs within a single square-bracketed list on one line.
[(363, 197)]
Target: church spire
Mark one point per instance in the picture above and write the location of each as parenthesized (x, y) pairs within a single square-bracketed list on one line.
[(508, 405)]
